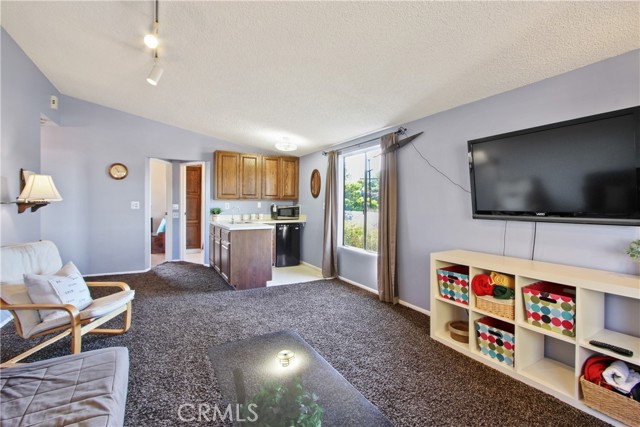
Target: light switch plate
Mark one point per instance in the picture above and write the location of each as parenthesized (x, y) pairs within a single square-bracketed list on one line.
[(135, 205), (259, 204), (176, 206), (226, 205)]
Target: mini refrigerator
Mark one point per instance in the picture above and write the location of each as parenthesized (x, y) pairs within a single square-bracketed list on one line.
[(288, 244)]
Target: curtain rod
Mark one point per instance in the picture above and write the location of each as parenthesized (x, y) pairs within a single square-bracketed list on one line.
[(400, 131)]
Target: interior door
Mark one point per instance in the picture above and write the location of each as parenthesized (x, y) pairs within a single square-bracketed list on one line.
[(194, 207)]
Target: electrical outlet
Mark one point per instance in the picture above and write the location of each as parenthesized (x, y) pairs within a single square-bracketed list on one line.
[(135, 205), (176, 214), (226, 206), (259, 204), (176, 207)]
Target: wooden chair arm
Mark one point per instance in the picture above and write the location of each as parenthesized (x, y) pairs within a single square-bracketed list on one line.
[(120, 285), (71, 309)]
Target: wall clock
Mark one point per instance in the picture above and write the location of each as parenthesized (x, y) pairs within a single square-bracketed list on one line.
[(118, 171)]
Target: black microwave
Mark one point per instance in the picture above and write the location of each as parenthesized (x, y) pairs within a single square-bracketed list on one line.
[(285, 212)]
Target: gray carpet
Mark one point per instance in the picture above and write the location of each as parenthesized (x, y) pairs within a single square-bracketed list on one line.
[(181, 310)]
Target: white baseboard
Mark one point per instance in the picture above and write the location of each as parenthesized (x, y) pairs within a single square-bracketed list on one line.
[(415, 307), (359, 285), (311, 266), (374, 291), (116, 273)]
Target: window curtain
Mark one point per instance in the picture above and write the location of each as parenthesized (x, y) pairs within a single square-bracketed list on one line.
[(388, 198), (330, 241)]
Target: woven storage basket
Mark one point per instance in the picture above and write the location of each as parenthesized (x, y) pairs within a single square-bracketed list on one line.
[(611, 403), (501, 307)]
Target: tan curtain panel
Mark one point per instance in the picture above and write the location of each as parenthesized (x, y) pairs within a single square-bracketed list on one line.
[(330, 241), (388, 202)]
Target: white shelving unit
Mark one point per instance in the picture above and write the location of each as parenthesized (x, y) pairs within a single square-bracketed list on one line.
[(535, 347)]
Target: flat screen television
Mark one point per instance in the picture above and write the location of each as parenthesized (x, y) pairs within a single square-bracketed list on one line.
[(585, 170)]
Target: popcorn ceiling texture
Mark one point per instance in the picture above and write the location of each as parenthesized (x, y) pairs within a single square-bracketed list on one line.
[(317, 72), (181, 310)]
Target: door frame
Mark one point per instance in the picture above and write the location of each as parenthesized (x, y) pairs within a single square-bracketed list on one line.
[(183, 208), (168, 236)]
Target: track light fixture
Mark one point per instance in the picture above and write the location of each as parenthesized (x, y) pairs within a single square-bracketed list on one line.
[(156, 71), (151, 39)]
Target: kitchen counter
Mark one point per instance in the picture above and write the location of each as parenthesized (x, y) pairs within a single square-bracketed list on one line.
[(242, 225)]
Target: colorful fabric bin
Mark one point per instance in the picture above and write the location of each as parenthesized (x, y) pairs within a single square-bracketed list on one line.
[(496, 339), (453, 282), (551, 306)]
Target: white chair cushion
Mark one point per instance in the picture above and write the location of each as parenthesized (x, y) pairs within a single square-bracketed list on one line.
[(99, 307), (28, 258), (66, 286)]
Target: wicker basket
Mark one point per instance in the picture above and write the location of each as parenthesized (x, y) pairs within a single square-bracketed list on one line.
[(610, 403), (502, 307), (459, 330)]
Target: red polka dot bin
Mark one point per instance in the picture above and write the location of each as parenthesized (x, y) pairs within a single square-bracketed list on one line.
[(551, 306)]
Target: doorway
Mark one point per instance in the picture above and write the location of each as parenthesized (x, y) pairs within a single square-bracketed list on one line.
[(161, 225), (192, 218)]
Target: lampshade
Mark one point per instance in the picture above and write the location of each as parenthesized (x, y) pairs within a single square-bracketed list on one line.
[(155, 74), (39, 188)]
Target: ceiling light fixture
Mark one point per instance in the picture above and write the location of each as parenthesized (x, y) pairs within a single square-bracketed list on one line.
[(156, 71), (285, 145), (151, 39)]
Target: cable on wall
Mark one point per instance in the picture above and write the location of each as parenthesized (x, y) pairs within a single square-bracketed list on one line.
[(438, 170), (533, 247)]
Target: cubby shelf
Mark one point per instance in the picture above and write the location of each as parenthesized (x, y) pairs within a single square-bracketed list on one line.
[(544, 359)]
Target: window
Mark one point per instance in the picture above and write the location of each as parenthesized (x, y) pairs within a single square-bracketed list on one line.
[(361, 183)]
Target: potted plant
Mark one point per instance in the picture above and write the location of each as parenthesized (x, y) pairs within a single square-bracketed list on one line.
[(214, 213), (634, 250)]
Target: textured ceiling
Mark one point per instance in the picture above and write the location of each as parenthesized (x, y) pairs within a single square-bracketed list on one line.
[(318, 73)]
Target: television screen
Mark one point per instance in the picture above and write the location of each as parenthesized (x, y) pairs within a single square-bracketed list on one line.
[(585, 170)]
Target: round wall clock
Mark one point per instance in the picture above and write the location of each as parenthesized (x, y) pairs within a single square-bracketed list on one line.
[(118, 171)]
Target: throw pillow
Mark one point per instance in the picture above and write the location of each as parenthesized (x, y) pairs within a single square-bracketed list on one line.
[(64, 287)]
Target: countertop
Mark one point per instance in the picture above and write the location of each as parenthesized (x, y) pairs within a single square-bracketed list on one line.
[(242, 225)]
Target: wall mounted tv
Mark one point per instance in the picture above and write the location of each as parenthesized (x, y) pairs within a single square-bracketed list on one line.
[(585, 170)]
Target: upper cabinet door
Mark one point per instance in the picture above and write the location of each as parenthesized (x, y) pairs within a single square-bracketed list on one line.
[(289, 181), (250, 176), (227, 165), (271, 177)]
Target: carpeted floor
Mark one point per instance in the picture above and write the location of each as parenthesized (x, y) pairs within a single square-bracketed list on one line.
[(181, 310)]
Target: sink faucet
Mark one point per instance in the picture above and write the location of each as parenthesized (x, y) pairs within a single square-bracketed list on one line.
[(233, 218)]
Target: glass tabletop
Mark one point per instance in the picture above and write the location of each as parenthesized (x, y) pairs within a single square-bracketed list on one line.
[(252, 375)]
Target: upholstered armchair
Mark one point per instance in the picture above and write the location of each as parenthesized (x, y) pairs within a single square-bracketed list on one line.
[(40, 263)]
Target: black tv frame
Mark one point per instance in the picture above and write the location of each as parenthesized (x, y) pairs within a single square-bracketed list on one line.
[(557, 218)]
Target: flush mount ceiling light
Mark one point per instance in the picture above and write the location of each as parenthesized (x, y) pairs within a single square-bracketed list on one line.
[(156, 71), (285, 145), (151, 39)]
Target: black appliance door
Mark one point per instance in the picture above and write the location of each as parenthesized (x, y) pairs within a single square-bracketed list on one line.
[(287, 245)]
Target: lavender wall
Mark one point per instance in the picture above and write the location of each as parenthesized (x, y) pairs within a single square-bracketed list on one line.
[(435, 215), (25, 96), (95, 225)]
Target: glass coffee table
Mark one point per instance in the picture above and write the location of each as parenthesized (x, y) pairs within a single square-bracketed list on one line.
[(252, 376)]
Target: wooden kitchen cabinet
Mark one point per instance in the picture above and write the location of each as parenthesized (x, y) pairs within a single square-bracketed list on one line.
[(214, 247), (243, 257), (280, 177), (255, 176), (227, 164), (250, 176)]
